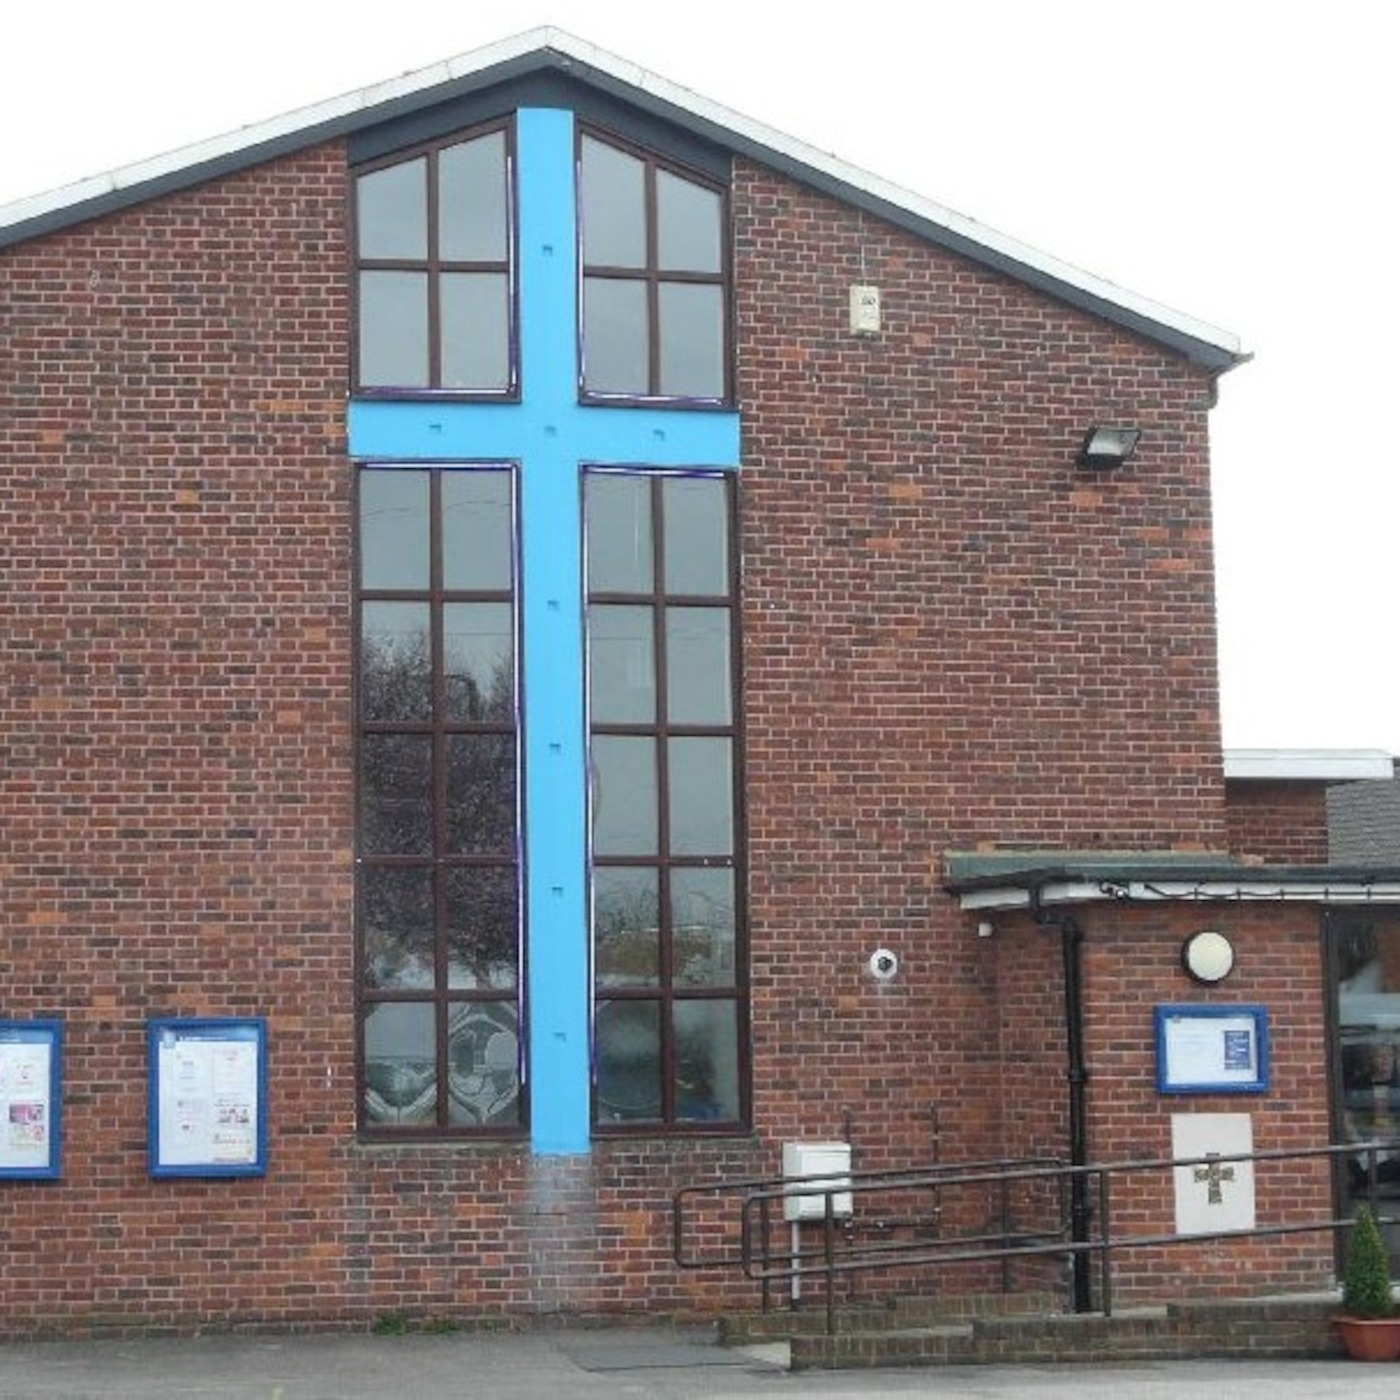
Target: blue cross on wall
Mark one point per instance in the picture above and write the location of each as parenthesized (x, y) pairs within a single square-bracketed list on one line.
[(552, 437)]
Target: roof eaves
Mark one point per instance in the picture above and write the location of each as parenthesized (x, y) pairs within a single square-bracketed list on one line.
[(1209, 346)]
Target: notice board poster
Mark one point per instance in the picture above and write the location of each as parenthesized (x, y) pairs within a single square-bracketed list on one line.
[(208, 1092), (31, 1098), (1212, 1050)]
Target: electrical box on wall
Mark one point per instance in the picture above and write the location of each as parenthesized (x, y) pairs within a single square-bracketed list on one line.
[(865, 310), (825, 1166)]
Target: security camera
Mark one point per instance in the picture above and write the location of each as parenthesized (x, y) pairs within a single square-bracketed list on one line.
[(883, 964)]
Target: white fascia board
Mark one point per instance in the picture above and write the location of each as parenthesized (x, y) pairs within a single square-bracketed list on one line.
[(630, 75), (1016, 897), (1201, 891), (1308, 765)]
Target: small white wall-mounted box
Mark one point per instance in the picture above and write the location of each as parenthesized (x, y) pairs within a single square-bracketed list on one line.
[(824, 1166), (865, 310)]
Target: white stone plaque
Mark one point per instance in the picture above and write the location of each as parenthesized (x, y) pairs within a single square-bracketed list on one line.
[(1213, 1195)]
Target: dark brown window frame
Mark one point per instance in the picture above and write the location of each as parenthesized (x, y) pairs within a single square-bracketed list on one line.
[(666, 994), (442, 997), (652, 276), (434, 268)]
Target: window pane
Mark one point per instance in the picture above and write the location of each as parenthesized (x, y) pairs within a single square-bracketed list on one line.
[(614, 207), (396, 917), (621, 665), (483, 927), (624, 796), (696, 536), (707, 1060), (478, 644), (481, 794), (395, 788), (619, 533), (400, 1064), (689, 219), (396, 680), (701, 791), (391, 212), (394, 329), (628, 1047), (472, 200), (483, 1065), (615, 337), (626, 933), (393, 529), (702, 927), (475, 330), (692, 340), (477, 534), (698, 672)]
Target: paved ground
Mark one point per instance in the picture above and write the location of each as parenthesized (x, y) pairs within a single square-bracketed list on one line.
[(618, 1364)]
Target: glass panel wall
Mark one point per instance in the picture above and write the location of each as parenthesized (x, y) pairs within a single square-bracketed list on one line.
[(439, 942), (1364, 950), (669, 966)]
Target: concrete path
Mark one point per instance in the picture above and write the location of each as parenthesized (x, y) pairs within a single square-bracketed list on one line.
[(619, 1364)]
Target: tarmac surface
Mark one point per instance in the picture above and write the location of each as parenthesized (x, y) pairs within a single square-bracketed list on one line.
[(621, 1364)]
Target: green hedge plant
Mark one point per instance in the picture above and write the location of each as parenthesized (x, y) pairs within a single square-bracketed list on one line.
[(1366, 1277)]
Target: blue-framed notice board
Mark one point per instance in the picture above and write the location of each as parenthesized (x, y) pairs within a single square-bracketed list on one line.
[(31, 1099), (1212, 1049), (208, 1096)]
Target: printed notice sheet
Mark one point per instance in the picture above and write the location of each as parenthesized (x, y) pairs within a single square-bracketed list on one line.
[(208, 1098), (29, 1098)]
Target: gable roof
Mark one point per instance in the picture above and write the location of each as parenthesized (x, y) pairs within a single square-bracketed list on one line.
[(549, 50)]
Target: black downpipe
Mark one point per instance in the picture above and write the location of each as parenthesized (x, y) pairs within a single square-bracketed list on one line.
[(1071, 945)]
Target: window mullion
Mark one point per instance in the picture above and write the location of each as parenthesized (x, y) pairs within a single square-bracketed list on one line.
[(434, 273)]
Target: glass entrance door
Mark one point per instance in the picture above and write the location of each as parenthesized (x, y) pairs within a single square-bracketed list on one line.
[(1364, 960)]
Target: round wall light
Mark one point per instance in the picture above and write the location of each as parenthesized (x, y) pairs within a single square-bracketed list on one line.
[(1209, 957)]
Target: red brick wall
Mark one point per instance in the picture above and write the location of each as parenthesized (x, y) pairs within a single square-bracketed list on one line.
[(1131, 965), (950, 638), (174, 741), (1277, 822)]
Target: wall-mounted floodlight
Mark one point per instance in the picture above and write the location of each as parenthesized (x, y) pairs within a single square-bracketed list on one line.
[(1105, 449)]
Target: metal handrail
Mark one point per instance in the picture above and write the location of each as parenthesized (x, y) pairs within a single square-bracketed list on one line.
[(840, 1252)]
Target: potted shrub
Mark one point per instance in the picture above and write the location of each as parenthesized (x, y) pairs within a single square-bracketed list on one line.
[(1369, 1325)]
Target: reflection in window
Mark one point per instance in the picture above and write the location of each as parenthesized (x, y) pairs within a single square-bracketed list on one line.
[(434, 274), (438, 869), (1365, 956), (669, 1025), (655, 320)]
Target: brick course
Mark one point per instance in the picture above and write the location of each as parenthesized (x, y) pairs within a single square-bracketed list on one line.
[(1280, 823)]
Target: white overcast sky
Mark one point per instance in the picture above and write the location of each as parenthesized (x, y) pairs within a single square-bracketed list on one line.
[(1234, 159)]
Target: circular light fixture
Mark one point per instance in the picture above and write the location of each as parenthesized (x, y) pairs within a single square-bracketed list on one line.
[(1209, 957)]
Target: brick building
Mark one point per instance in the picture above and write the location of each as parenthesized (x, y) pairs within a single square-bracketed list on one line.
[(519, 584)]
